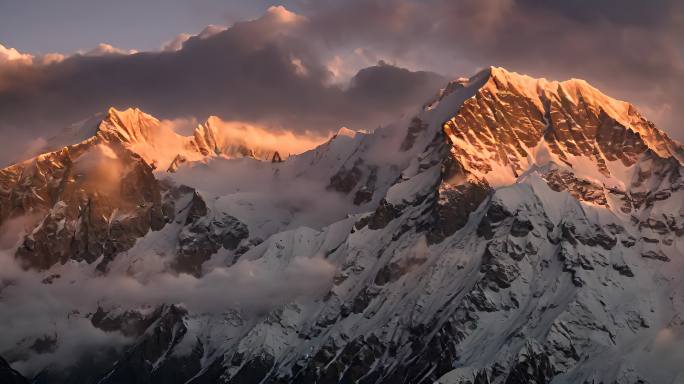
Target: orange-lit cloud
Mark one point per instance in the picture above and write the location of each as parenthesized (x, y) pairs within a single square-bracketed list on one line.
[(172, 138)]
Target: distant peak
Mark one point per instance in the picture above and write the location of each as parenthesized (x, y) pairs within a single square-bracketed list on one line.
[(131, 125), (346, 132), (127, 114)]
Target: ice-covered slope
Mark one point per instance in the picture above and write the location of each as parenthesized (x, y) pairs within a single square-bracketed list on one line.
[(513, 230)]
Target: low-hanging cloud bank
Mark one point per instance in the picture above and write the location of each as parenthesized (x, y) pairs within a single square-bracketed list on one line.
[(57, 311)]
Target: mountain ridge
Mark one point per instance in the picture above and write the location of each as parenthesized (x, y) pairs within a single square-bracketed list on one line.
[(511, 231)]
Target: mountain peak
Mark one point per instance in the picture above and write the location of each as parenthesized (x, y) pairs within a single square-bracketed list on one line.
[(131, 125), (575, 90), (346, 132), (515, 122), (580, 95)]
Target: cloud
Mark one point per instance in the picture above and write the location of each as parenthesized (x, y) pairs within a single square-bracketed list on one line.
[(211, 30), (265, 72), (631, 50), (32, 308), (276, 202), (10, 58), (259, 137), (306, 71), (104, 49), (173, 137), (11, 55), (100, 169), (176, 43)]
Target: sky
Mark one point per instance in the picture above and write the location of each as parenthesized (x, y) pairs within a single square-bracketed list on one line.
[(314, 66), (67, 26)]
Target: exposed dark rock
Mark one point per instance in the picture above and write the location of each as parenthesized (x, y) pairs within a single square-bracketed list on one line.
[(51, 278), (495, 214), (453, 208), (203, 237), (533, 367), (415, 128), (45, 344), (85, 214), (383, 215), (176, 163), (196, 209), (131, 323), (623, 269), (655, 255), (9, 375), (137, 364), (354, 363), (393, 271), (496, 269), (276, 158), (345, 180), (521, 227), (628, 242), (593, 237), (581, 189), (362, 300), (365, 193), (254, 371)]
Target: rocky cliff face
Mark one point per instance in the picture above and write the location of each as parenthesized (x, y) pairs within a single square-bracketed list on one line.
[(91, 200), (9, 375), (514, 230)]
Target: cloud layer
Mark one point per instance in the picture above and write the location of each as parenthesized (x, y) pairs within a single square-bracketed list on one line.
[(631, 49), (33, 309), (263, 71), (318, 70)]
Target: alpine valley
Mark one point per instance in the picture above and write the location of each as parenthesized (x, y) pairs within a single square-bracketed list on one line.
[(512, 230)]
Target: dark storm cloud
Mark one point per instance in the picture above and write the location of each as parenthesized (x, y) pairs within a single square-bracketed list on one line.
[(623, 12)]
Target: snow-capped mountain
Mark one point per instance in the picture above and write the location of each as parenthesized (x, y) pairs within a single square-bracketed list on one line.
[(513, 230)]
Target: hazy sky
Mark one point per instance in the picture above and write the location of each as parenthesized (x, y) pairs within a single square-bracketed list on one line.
[(43, 26), (318, 65)]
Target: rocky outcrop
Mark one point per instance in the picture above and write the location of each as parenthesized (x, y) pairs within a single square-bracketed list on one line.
[(9, 375), (130, 323), (176, 163), (203, 235), (345, 180), (140, 363), (95, 199)]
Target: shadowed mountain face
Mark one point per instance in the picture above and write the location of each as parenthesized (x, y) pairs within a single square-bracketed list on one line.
[(9, 375), (512, 230)]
